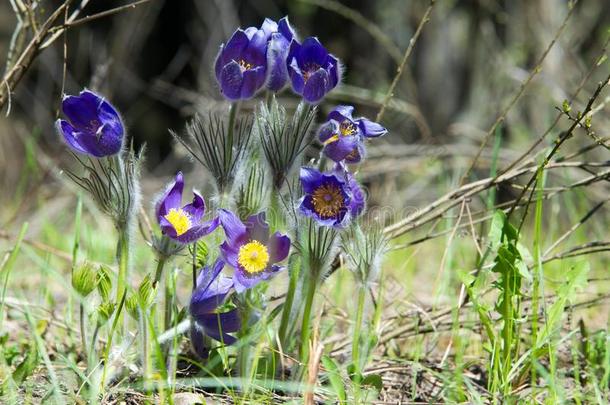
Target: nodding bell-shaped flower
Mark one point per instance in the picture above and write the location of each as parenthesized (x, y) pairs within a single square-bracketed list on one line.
[(210, 292), (250, 250), (312, 70), (94, 127), (279, 36), (241, 64), (183, 223), (343, 136), (331, 198)]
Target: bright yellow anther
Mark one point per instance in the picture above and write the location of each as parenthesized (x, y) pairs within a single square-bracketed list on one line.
[(253, 257), (179, 219)]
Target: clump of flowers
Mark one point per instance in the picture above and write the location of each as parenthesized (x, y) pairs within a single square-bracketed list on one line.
[(307, 206)]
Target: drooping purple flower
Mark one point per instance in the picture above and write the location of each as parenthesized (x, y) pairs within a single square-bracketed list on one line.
[(210, 292), (241, 64), (312, 70), (94, 127), (250, 250), (331, 198), (183, 223), (343, 136), (279, 35)]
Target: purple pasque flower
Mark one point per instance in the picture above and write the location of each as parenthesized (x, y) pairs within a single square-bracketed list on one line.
[(94, 127), (312, 70), (331, 198), (241, 64), (183, 223), (211, 290), (279, 36), (343, 136), (250, 250)]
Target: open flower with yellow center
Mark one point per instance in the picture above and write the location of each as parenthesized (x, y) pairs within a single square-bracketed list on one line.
[(183, 223), (332, 198), (343, 136), (250, 249)]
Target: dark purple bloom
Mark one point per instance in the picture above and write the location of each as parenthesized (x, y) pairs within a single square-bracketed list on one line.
[(250, 250), (94, 127), (332, 198), (210, 292), (279, 35), (343, 136), (241, 64), (312, 70), (183, 224)]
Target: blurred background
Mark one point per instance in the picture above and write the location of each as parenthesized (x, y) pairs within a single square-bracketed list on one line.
[(154, 63)]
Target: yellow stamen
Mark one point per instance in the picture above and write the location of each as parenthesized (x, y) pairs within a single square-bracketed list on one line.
[(253, 257), (245, 65), (179, 219), (345, 129), (327, 200)]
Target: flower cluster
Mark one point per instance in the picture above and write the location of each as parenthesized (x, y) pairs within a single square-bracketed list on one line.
[(252, 59), (270, 55)]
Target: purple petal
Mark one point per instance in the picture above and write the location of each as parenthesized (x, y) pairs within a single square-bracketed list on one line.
[(198, 231), (234, 229), (283, 26), (207, 274), (81, 110), (229, 254), (228, 321), (243, 281), (338, 150), (312, 51), (341, 113), (172, 197), (358, 200), (231, 79), (279, 247), (109, 140), (315, 87), (253, 80), (205, 299), (224, 338), (371, 129), (328, 130), (356, 155), (70, 135), (256, 51), (234, 48), (269, 27), (296, 76), (219, 62), (310, 179), (197, 342), (306, 208), (196, 209), (334, 72), (277, 51), (257, 227)]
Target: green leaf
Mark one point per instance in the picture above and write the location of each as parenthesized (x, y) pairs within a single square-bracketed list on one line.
[(27, 366), (334, 377), (373, 380)]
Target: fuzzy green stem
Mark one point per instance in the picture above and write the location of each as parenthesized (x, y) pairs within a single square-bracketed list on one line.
[(123, 261), (146, 363), (305, 325), (169, 301), (357, 328), (83, 331), (159, 271), (230, 129), (288, 303)]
